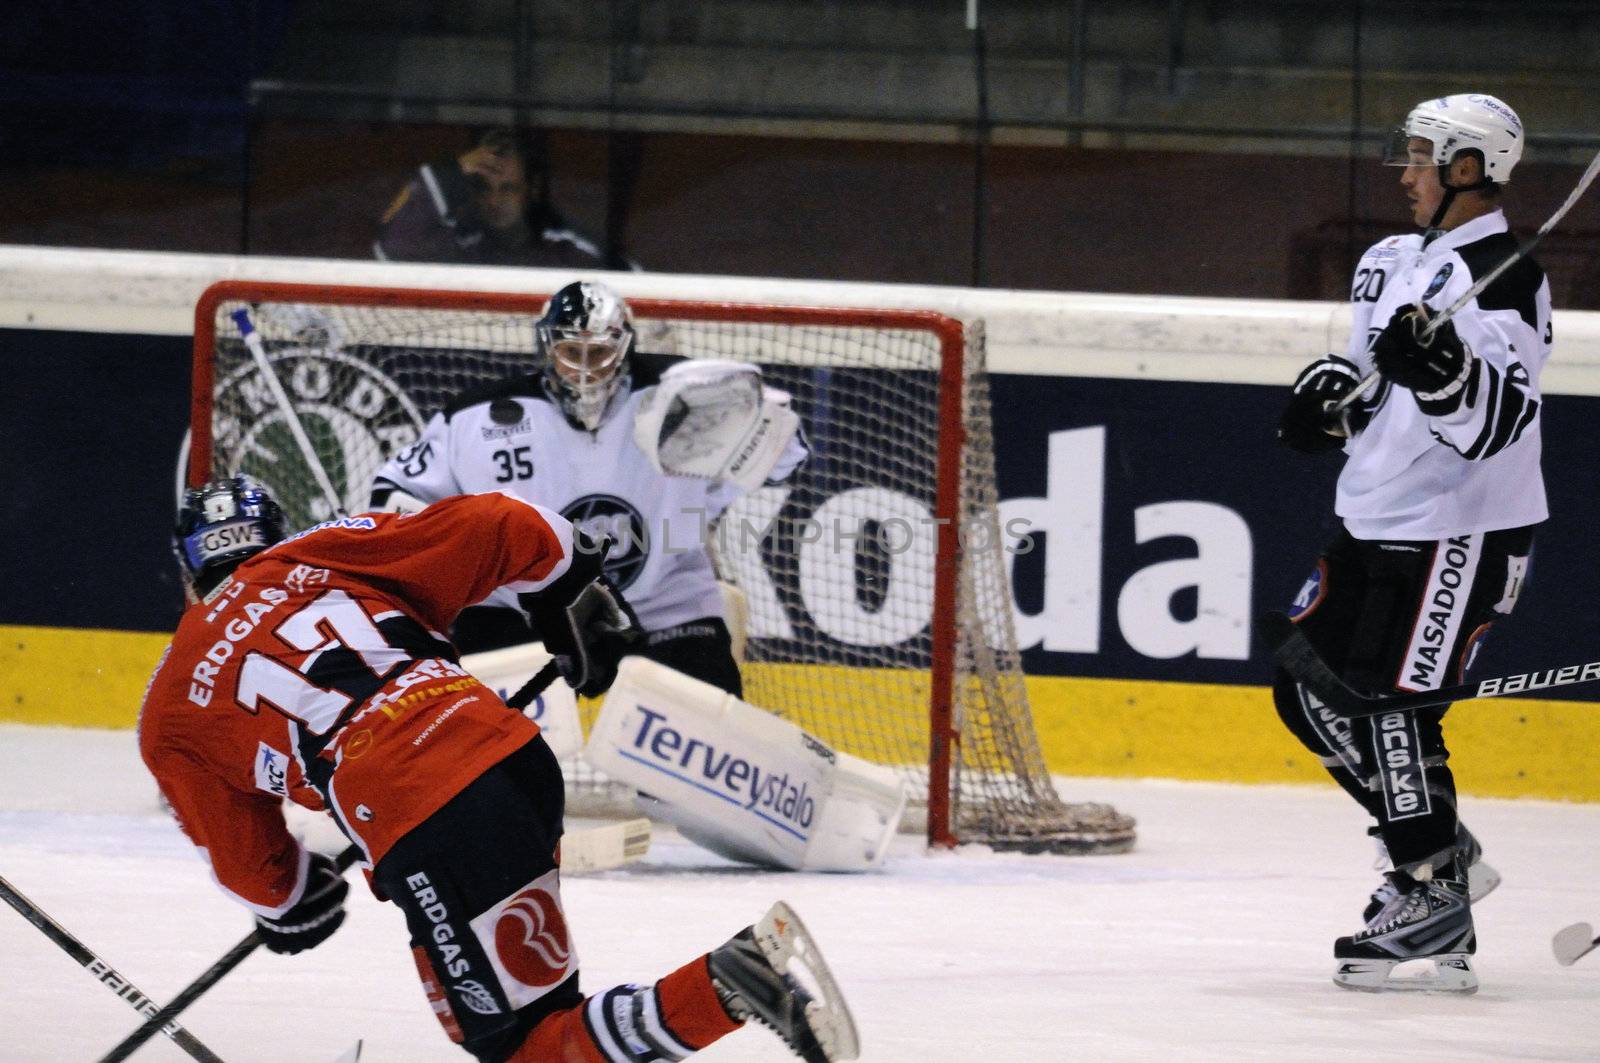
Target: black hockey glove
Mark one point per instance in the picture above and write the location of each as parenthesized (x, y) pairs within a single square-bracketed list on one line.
[(584, 622), (1306, 424), (314, 919), (1436, 369)]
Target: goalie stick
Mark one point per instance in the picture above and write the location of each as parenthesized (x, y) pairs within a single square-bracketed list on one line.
[(103, 971), (1483, 282), (1573, 943), (1300, 659)]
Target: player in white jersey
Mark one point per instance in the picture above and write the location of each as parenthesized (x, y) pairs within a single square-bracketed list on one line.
[(564, 434), (1439, 494)]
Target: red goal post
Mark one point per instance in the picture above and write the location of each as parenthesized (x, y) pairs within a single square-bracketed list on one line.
[(897, 402)]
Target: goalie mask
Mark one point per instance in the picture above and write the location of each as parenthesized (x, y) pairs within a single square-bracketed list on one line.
[(220, 526), (585, 337)]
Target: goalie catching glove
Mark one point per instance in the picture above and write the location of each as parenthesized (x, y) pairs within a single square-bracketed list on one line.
[(1436, 368), (584, 622), (314, 918), (715, 420), (1306, 424)]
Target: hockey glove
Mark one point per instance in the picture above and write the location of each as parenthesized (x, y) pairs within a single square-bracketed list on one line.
[(313, 920), (1306, 424), (584, 622), (1436, 369)]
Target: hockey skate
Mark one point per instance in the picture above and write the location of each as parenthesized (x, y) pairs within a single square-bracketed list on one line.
[(1481, 877), (756, 978), (1426, 926)]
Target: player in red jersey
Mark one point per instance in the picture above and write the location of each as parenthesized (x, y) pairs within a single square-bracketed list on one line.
[(312, 667)]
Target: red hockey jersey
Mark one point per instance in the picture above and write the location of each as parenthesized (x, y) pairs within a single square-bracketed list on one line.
[(319, 672)]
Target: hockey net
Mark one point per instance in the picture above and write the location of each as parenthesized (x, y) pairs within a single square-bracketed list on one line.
[(876, 577)]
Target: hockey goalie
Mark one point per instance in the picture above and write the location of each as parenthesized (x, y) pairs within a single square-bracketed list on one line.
[(642, 448), (646, 450)]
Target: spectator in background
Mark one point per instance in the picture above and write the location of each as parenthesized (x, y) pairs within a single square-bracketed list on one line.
[(489, 207)]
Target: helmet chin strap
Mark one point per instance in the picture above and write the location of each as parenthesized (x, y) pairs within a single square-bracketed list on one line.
[(1449, 197)]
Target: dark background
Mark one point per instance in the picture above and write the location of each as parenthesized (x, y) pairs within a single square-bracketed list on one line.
[(1182, 148)]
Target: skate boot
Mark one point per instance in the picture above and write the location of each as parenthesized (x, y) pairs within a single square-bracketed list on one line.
[(1481, 877), (1429, 921), (774, 973)]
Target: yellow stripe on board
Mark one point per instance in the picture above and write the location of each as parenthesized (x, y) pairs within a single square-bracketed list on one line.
[(76, 677), (1502, 747)]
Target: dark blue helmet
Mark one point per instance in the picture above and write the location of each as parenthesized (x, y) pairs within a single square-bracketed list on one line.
[(221, 525)]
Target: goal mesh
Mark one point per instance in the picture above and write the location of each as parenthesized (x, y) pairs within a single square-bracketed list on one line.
[(879, 606)]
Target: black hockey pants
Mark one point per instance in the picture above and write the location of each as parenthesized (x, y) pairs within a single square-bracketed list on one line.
[(1400, 615)]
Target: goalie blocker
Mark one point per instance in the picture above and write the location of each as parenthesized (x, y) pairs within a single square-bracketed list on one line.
[(740, 781), (714, 419)]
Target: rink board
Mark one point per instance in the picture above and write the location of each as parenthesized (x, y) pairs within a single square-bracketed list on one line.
[(1507, 747), (1133, 440)]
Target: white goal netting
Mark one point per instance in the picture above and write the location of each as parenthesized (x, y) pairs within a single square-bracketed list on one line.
[(879, 602)]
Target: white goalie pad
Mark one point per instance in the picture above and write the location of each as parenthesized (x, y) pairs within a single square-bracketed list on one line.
[(739, 780), (715, 420), (555, 711)]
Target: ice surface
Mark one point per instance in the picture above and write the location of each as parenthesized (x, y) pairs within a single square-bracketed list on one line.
[(1213, 941)]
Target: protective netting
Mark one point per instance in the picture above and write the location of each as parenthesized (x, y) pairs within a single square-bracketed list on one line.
[(847, 633)]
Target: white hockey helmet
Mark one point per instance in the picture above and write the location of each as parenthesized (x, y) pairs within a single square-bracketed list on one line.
[(585, 337), (1466, 122)]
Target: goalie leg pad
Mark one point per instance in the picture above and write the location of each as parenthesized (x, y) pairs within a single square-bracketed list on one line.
[(739, 780)]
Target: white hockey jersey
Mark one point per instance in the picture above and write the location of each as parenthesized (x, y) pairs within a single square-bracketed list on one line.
[(512, 436), (1411, 476)]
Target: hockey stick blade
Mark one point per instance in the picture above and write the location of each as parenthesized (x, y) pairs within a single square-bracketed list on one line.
[(584, 852), (1573, 943), (1300, 659), (351, 1054)]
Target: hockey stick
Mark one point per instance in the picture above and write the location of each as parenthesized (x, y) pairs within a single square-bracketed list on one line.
[(585, 852), (535, 686), (1573, 943), (248, 944), (1483, 282), (1301, 660), (103, 971), (258, 352), (626, 847), (212, 975)]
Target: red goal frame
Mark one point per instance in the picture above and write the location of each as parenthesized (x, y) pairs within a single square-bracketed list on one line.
[(949, 332)]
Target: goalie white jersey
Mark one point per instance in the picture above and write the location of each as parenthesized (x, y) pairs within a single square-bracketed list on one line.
[(511, 436), (1405, 477)]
